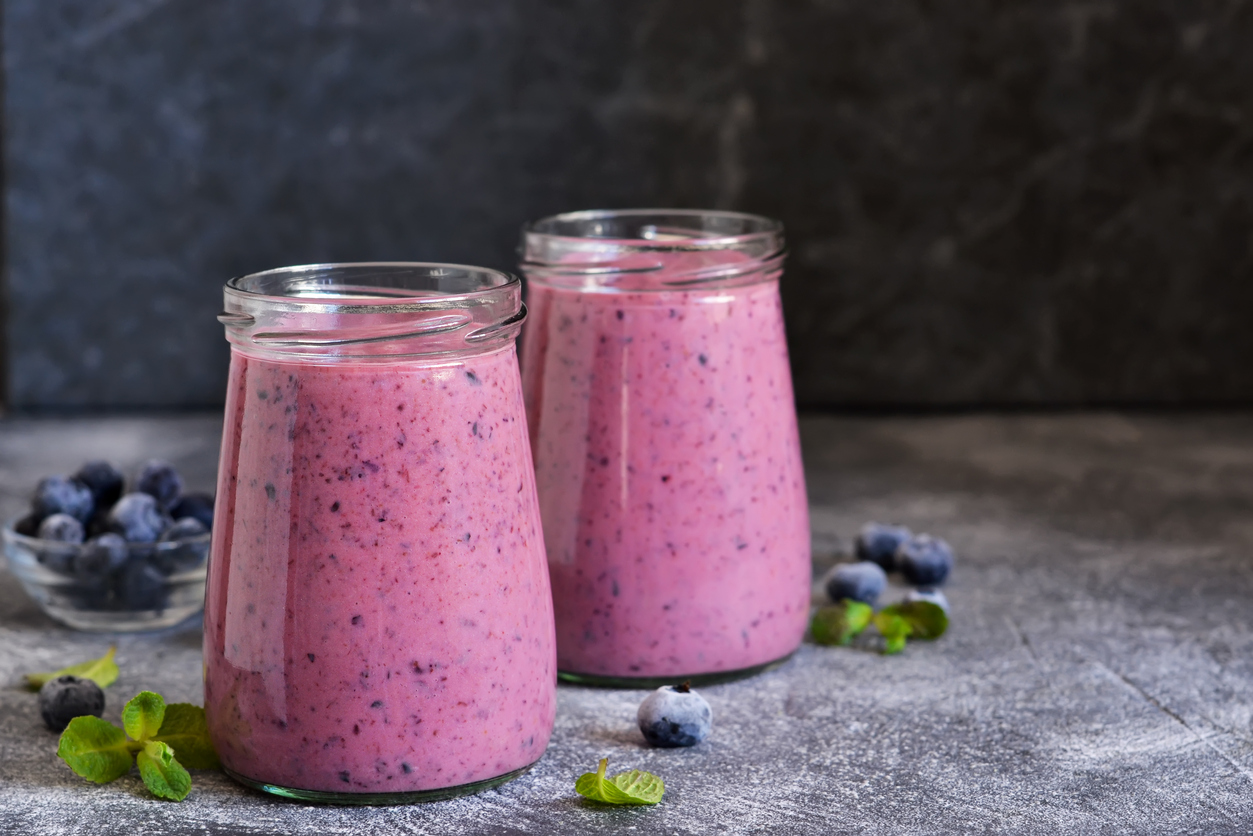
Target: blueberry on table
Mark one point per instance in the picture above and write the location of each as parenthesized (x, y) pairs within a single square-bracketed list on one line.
[(675, 715), (138, 518), (62, 528), (103, 480), (59, 495), (159, 479), (878, 543), (66, 697), (198, 505), (924, 560), (931, 595), (100, 556), (862, 581)]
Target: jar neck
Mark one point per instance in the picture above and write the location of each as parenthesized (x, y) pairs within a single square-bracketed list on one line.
[(392, 310), (652, 249)]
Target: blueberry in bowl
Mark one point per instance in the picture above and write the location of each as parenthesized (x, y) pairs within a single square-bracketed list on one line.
[(125, 566)]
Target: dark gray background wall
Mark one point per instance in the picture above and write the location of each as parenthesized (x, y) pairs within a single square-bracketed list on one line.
[(1025, 202)]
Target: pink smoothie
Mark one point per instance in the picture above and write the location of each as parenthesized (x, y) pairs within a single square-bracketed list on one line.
[(378, 616), (670, 481)]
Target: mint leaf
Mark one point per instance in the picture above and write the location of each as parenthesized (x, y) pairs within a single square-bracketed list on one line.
[(839, 623), (95, 749), (894, 628), (102, 671), (142, 716), (926, 620), (185, 731), (634, 787), (162, 774)]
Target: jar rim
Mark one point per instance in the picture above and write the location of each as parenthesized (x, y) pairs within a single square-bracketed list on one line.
[(382, 309), (364, 296), (634, 250), (759, 228)]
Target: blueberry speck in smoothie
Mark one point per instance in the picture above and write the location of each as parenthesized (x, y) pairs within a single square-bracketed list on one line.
[(334, 509), (356, 619), (344, 776), (703, 359), (473, 378), (270, 493), (376, 704), (311, 657)]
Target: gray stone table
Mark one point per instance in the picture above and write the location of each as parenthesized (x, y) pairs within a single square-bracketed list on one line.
[(1097, 678)]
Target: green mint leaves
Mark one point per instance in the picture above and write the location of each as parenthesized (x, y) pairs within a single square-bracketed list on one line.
[(99, 751), (185, 731), (142, 716), (634, 787), (163, 776), (926, 620), (95, 749), (893, 628), (102, 671), (840, 623)]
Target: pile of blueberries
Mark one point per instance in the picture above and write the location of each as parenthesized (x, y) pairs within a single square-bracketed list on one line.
[(108, 541), (923, 561)]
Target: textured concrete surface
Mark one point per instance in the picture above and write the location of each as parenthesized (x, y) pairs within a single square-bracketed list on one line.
[(1028, 202), (1098, 676)]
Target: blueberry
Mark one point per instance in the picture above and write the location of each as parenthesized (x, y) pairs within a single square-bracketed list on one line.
[(159, 479), (878, 543), (100, 556), (198, 505), (103, 480), (183, 529), (62, 528), (99, 522), (66, 697), (137, 517), (58, 495), (930, 595), (179, 555), (924, 560), (28, 526), (675, 716), (862, 581), (141, 586)]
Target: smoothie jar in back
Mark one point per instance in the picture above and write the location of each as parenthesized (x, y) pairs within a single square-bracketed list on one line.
[(378, 617), (659, 400)]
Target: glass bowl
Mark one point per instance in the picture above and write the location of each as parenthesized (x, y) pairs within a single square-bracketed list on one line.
[(157, 585)]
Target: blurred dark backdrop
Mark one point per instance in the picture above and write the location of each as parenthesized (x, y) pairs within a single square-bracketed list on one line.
[(988, 203)]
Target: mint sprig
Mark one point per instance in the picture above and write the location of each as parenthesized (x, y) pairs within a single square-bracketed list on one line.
[(99, 751), (910, 619), (102, 671), (840, 623), (634, 787)]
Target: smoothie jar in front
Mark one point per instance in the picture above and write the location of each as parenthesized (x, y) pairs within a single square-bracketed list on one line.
[(378, 617), (662, 422)]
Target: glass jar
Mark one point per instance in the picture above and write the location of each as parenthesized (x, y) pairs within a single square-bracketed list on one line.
[(378, 617), (663, 426)]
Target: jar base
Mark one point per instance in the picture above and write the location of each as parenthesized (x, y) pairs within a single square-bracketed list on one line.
[(596, 680), (378, 799)]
